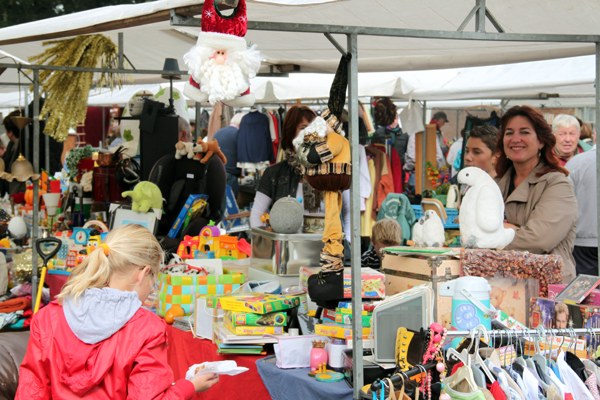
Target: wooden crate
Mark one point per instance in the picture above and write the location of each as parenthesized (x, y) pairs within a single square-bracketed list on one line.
[(405, 271)]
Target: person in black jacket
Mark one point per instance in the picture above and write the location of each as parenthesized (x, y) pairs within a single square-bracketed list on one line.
[(11, 154), (284, 178), (386, 122)]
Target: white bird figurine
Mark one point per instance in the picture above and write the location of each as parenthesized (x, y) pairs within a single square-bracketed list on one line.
[(481, 213), (428, 231)]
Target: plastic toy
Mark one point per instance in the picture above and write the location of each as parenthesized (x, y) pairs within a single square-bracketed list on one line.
[(209, 238), (187, 247)]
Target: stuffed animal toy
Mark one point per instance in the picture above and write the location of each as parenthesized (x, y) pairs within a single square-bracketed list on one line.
[(325, 153), (184, 149), (208, 149), (221, 64), (145, 195)]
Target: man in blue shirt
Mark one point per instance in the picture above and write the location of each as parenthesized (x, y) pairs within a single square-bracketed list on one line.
[(227, 139)]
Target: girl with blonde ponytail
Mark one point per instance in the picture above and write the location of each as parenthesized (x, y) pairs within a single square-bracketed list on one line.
[(96, 341)]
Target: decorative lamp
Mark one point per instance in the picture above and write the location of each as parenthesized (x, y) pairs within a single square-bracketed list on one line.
[(21, 169), (170, 72), (51, 200)]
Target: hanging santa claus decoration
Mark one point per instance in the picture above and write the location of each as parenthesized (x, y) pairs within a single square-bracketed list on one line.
[(221, 64)]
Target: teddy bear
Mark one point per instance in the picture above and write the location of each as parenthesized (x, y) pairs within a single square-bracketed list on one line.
[(208, 149)]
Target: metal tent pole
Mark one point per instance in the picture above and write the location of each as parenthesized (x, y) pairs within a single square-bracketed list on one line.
[(357, 344), (36, 189), (596, 124)]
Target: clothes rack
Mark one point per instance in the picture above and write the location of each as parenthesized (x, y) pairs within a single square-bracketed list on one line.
[(397, 379), (526, 332)]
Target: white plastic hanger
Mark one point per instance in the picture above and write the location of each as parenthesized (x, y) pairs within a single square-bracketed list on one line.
[(478, 360)]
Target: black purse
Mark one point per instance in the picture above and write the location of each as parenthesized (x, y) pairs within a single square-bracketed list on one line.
[(326, 289)]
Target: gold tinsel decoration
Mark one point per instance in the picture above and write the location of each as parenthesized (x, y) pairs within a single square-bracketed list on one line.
[(21, 268), (67, 91)]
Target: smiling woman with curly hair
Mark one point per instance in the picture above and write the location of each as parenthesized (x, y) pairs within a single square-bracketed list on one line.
[(539, 199)]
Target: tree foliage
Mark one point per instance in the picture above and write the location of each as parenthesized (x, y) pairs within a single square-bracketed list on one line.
[(14, 12)]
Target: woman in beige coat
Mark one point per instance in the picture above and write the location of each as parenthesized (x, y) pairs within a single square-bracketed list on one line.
[(539, 199)]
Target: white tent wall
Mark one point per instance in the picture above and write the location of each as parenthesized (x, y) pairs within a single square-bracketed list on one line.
[(539, 83), (149, 38)]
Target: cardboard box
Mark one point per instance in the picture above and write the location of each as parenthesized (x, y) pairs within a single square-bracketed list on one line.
[(178, 223), (258, 303), (346, 319), (250, 319), (372, 282), (512, 296), (252, 330), (405, 271), (339, 331)]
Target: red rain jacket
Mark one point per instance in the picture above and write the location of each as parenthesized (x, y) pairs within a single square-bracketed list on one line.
[(131, 364)]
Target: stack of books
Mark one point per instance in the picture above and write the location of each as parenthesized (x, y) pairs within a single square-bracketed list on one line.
[(338, 323), (251, 321)]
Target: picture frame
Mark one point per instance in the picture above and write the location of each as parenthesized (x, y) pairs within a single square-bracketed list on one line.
[(578, 289), (123, 215)]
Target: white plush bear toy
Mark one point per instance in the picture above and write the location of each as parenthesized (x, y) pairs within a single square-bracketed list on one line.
[(184, 149)]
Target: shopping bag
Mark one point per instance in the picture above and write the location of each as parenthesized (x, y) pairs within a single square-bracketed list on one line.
[(205, 317), (294, 351)]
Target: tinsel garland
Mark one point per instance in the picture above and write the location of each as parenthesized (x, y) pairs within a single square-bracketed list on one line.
[(67, 91)]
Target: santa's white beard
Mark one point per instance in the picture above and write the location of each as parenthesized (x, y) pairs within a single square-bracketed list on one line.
[(221, 81)]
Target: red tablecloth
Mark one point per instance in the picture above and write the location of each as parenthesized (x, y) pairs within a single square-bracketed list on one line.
[(185, 350)]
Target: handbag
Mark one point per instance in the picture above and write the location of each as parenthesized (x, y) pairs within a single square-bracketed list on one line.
[(326, 288)]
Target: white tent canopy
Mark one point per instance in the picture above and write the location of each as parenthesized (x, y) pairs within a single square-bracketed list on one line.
[(149, 38)]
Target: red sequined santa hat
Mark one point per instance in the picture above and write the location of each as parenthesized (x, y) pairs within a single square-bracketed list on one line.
[(221, 31)]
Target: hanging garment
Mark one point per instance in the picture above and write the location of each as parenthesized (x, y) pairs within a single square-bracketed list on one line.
[(254, 139), (472, 121), (396, 167), (384, 183), (396, 206), (366, 188), (571, 379), (509, 386), (461, 386), (275, 132), (592, 384), (497, 391), (366, 217), (591, 366), (563, 390)]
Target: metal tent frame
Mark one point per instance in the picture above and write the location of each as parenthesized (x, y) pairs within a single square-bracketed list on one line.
[(479, 12)]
